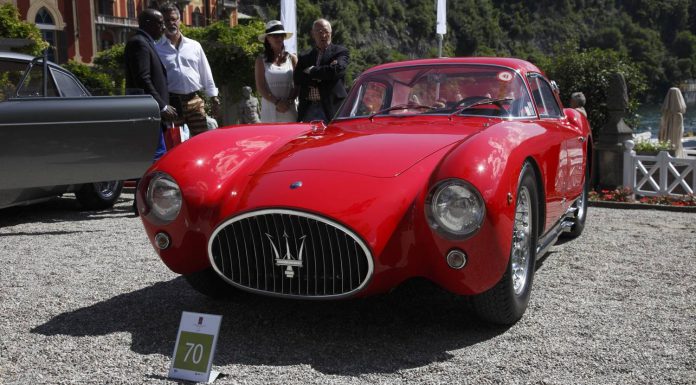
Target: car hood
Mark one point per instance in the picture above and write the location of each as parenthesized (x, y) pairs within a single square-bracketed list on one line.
[(239, 169), (382, 149)]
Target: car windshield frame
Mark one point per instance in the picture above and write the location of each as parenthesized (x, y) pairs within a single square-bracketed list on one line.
[(441, 86)]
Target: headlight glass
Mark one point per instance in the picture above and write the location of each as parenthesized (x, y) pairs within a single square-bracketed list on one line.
[(455, 208), (164, 197)]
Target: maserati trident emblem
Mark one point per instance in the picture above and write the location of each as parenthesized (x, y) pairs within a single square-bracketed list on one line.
[(288, 260)]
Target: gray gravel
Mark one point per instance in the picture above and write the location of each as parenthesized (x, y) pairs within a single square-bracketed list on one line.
[(85, 299)]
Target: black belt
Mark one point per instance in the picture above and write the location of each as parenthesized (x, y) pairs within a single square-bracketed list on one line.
[(184, 97)]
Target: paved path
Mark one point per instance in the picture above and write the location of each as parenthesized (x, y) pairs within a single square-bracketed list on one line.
[(85, 300)]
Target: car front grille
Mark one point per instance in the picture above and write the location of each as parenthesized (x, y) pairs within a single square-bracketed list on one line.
[(290, 253)]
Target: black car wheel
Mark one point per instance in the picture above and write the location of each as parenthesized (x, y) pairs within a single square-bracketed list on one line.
[(99, 195), (506, 302)]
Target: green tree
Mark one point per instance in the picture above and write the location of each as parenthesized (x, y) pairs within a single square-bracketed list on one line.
[(231, 52), (12, 26), (684, 45), (112, 61), (608, 38), (106, 76), (589, 71)]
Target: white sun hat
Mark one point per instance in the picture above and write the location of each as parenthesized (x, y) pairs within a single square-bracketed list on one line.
[(274, 27)]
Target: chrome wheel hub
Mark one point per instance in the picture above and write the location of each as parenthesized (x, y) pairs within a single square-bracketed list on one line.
[(581, 203), (521, 241), (106, 190)]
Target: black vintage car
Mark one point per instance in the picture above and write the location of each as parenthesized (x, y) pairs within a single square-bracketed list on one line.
[(56, 138)]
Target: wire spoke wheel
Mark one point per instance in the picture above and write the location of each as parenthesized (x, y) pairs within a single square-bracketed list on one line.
[(506, 302), (580, 215), (521, 241)]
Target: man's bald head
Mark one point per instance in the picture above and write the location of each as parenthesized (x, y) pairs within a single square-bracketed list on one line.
[(151, 21)]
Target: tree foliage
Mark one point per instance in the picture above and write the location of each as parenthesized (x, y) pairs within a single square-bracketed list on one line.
[(589, 72), (111, 61), (231, 52), (12, 26)]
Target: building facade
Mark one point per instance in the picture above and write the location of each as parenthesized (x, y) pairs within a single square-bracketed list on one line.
[(78, 29)]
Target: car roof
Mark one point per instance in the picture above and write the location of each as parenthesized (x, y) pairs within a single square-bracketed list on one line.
[(20, 57), (520, 65)]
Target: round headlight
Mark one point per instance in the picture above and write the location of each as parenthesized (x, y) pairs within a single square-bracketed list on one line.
[(164, 197), (455, 208)]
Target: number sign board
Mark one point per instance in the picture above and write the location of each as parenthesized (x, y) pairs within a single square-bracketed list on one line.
[(195, 347)]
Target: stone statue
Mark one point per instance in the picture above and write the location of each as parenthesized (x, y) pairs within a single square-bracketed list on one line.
[(249, 107), (615, 129), (577, 101)]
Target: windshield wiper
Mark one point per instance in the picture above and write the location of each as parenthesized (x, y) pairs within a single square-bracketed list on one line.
[(399, 107), (496, 101)]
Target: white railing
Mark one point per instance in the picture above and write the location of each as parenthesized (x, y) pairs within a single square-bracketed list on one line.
[(116, 21), (658, 175)]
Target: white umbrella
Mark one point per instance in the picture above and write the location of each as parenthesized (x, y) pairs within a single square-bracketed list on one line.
[(672, 121)]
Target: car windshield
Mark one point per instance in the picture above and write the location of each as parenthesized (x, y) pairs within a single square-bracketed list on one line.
[(464, 89)]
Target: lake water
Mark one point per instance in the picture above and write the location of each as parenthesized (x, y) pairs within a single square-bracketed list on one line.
[(649, 115)]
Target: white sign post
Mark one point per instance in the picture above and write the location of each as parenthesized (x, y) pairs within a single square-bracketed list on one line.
[(195, 347), (289, 19), (441, 25)]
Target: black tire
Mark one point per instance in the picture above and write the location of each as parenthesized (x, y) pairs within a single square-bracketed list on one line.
[(580, 213), (506, 302), (210, 284), (99, 195)]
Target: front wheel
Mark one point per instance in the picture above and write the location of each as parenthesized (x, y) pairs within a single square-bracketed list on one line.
[(99, 195), (506, 302)]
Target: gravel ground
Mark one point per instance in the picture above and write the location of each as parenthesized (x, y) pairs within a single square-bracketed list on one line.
[(84, 299)]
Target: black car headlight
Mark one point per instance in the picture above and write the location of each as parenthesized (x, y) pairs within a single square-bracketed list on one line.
[(163, 197), (455, 208)]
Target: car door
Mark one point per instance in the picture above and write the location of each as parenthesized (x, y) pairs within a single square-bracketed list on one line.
[(53, 133), (562, 140)]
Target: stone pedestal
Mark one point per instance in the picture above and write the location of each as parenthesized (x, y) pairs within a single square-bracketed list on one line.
[(609, 166), (609, 146)]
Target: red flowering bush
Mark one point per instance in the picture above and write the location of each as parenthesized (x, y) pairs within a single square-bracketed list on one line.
[(626, 195), (616, 195), (689, 200)]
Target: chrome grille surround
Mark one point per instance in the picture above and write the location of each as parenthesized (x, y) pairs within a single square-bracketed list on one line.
[(289, 253)]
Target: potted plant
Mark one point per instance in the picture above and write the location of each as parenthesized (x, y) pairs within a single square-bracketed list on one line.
[(645, 147)]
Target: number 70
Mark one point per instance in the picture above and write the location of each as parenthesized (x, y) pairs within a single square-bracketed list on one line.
[(195, 351)]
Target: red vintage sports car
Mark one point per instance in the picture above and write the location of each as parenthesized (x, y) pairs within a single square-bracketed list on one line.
[(460, 170)]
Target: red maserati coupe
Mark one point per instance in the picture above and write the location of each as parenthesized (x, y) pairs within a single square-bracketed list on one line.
[(460, 170)]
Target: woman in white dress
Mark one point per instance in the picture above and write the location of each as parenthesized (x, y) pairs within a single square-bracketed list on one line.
[(273, 74)]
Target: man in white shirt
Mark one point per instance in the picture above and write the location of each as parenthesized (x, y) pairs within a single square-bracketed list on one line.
[(188, 73)]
